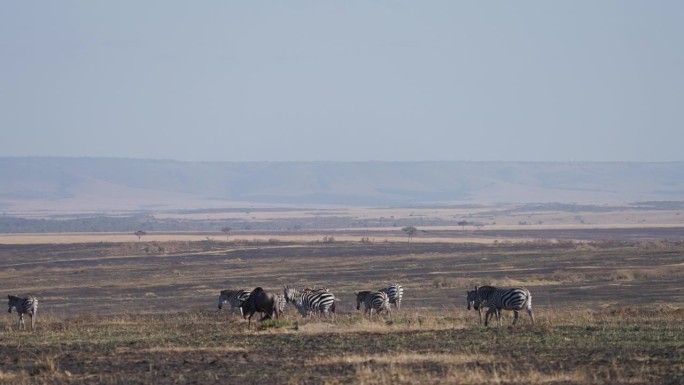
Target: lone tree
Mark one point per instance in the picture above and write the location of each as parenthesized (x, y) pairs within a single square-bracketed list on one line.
[(463, 224), (139, 234), (410, 232), (226, 230)]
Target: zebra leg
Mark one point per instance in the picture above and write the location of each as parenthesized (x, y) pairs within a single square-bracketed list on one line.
[(529, 311), (529, 306), (479, 312), (21, 321), (493, 311), (488, 315), (515, 316)]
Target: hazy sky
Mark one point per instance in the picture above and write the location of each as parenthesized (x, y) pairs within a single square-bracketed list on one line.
[(343, 80)]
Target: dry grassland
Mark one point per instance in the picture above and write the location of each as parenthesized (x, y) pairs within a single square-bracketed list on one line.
[(495, 217), (608, 312), (589, 347)]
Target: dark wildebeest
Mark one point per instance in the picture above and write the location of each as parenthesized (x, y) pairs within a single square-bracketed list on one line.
[(259, 301)]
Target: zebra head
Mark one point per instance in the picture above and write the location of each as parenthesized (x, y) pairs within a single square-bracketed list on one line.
[(473, 299), (12, 301), (223, 298), (290, 293)]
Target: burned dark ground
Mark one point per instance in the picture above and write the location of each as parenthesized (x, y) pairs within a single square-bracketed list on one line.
[(608, 308)]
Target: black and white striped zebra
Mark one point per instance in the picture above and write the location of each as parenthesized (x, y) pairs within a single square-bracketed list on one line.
[(27, 305), (495, 299), (234, 298), (395, 292), (373, 300), (311, 302)]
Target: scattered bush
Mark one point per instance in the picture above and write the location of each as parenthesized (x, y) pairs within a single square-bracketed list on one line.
[(274, 324)]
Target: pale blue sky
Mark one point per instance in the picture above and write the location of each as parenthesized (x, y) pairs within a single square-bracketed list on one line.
[(343, 80)]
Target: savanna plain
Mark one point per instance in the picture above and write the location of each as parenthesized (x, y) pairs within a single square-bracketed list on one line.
[(608, 303)]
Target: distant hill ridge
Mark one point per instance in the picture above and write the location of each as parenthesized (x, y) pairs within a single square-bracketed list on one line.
[(114, 183)]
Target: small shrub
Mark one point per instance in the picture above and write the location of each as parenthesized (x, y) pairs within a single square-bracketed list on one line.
[(274, 324)]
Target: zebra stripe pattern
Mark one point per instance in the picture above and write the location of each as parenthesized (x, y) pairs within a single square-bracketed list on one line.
[(515, 299), (280, 305), (373, 300), (395, 292), (310, 302), (234, 298), (27, 305)]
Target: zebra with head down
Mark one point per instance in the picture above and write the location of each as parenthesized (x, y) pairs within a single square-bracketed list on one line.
[(373, 300), (311, 302), (495, 299), (470, 299), (234, 298)]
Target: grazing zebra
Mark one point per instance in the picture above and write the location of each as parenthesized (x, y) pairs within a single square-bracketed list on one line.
[(395, 293), (373, 300), (234, 298), (27, 305), (310, 302), (515, 299)]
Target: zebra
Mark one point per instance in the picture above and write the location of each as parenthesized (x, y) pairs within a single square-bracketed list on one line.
[(395, 292), (309, 302), (378, 300), (470, 298), (27, 305), (515, 299), (234, 298)]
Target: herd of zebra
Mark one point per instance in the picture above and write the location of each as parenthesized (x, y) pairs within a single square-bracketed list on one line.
[(310, 302), (321, 302)]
